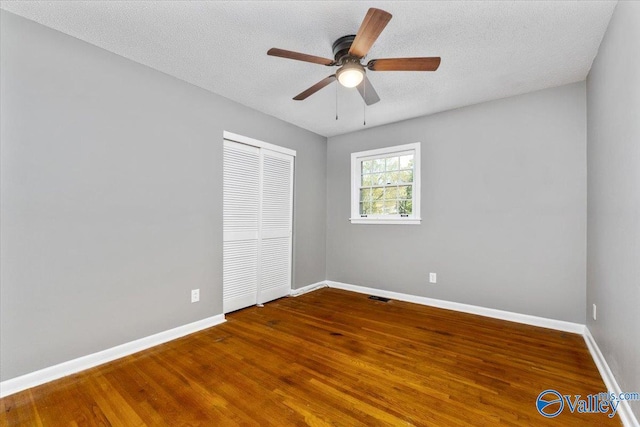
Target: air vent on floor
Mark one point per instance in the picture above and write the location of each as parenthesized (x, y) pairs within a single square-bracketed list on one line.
[(377, 298)]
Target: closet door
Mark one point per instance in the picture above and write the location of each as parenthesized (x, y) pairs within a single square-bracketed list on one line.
[(257, 225), (241, 211), (275, 226)]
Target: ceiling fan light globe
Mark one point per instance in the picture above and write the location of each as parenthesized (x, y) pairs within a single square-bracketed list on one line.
[(350, 76)]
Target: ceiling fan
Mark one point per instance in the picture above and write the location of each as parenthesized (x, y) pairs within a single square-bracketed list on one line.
[(348, 51)]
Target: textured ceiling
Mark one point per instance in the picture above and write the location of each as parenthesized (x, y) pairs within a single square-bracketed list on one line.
[(489, 49)]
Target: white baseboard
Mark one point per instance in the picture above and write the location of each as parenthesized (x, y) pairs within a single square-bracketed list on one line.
[(543, 322), (624, 410), (309, 288), (51, 373)]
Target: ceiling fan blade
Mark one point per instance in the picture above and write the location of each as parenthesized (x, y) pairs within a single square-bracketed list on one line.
[(274, 51), (316, 87), (371, 27), (367, 91), (404, 64)]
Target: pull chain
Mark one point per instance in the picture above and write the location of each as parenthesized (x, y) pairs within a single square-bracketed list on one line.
[(364, 105), (336, 101)]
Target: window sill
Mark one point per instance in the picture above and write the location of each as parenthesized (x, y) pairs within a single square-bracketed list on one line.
[(394, 221)]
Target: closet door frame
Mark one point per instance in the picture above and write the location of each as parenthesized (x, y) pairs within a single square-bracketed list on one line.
[(229, 136), (234, 137)]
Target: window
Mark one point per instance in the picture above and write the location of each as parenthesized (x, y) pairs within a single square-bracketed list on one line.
[(385, 185)]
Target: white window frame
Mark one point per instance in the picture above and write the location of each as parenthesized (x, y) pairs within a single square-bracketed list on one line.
[(356, 174)]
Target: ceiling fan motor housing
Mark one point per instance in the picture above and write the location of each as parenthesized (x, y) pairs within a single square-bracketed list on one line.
[(341, 47)]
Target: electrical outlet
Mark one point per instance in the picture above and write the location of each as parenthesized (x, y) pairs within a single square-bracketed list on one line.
[(432, 278), (594, 312), (195, 295)]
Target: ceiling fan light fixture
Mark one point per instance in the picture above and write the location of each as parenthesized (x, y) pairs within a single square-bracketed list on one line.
[(350, 75)]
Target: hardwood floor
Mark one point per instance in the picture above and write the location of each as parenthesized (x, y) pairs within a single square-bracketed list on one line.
[(329, 357)]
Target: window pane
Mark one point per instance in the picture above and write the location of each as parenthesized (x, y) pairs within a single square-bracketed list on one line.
[(391, 178), (404, 192), (405, 176), (392, 163), (405, 207), (367, 180), (391, 207), (377, 208), (406, 162), (365, 208), (367, 166), (391, 193), (378, 165), (378, 179), (365, 195), (377, 193)]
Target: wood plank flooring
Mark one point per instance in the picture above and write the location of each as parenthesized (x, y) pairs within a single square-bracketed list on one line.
[(329, 357)]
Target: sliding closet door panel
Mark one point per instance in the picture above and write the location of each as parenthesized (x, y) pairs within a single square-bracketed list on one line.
[(241, 214), (275, 226)]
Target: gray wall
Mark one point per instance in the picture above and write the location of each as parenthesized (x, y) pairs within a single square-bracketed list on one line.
[(613, 165), (111, 198), (503, 207)]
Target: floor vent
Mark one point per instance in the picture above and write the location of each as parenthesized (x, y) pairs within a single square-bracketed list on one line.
[(377, 298)]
